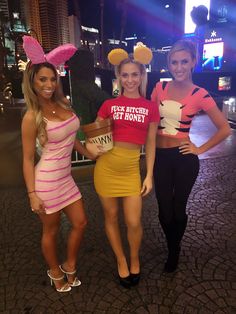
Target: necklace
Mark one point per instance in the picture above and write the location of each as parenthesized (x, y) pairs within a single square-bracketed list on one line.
[(53, 111)]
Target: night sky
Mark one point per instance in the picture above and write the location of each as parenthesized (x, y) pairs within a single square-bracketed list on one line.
[(148, 19)]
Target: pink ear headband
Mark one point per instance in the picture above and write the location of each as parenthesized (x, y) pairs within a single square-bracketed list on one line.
[(57, 56)]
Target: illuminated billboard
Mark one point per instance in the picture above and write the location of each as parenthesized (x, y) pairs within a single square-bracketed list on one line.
[(189, 26), (213, 56), (224, 83)]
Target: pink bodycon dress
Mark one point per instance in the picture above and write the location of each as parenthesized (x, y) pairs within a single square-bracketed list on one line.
[(53, 181)]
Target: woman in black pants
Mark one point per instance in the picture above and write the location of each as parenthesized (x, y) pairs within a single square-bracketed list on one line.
[(177, 164)]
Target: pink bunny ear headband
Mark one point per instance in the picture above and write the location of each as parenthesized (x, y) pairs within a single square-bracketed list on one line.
[(57, 56), (142, 54)]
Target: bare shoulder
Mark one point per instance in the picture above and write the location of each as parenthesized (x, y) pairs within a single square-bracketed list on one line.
[(29, 119), (66, 102), (29, 115)]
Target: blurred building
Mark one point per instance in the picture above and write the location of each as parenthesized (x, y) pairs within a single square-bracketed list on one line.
[(46, 20), (91, 39), (74, 30), (31, 14), (49, 20), (4, 7)]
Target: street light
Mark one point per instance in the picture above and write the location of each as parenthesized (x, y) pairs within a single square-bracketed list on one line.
[(31, 32)]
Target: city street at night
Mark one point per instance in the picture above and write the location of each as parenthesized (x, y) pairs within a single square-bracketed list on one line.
[(205, 281), (119, 69)]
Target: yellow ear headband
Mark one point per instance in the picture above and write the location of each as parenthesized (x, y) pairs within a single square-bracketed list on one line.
[(142, 54)]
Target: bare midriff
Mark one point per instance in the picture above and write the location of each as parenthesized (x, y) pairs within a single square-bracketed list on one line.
[(127, 145), (168, 142)]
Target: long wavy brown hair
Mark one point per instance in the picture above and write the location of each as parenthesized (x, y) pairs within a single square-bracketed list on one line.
[(32, 101)]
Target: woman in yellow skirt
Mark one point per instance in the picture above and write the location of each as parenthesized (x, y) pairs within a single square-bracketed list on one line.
[(117, 172)]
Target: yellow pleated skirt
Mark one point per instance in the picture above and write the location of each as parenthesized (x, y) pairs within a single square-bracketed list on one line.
[(117, 173)]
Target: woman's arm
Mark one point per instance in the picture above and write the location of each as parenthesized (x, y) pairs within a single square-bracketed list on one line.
[(29, 133), (223, 131), (150, 149), (93, 150), (99, 118), (79, 147)]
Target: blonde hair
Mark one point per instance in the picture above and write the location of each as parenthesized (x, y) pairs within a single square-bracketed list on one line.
[(143, 72), (183, 44), (31, 98)]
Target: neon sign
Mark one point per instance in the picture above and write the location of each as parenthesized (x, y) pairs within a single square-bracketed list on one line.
[(213, 37)]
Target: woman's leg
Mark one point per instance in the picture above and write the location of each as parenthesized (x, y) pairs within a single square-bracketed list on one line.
[(110, 208), (132, 212), (164, 173), (164, 185), (186, 171), (76, 215), (51, 224)]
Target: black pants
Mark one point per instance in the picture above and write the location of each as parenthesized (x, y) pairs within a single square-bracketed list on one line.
[(174, 176)]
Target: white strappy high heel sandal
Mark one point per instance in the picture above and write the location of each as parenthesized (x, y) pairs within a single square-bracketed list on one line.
[(76, 282), (65, 288)]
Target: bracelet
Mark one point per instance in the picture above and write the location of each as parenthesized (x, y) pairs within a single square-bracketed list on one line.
[(31, 192)]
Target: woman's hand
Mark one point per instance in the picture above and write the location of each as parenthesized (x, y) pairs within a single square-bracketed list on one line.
[(147, 186), (36, 204), (189, 148), (95, 150), (89, 150)]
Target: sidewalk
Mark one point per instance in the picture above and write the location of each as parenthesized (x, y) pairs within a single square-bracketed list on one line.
[(204, 283)]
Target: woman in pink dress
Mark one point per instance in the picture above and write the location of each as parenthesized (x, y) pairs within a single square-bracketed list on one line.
[(50, 120)]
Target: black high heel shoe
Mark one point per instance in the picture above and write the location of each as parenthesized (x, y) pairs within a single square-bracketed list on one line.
[(134, 279), (125, 281)]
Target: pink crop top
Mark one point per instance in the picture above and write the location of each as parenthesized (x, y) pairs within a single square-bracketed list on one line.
[(131, 117), (177, 116)]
